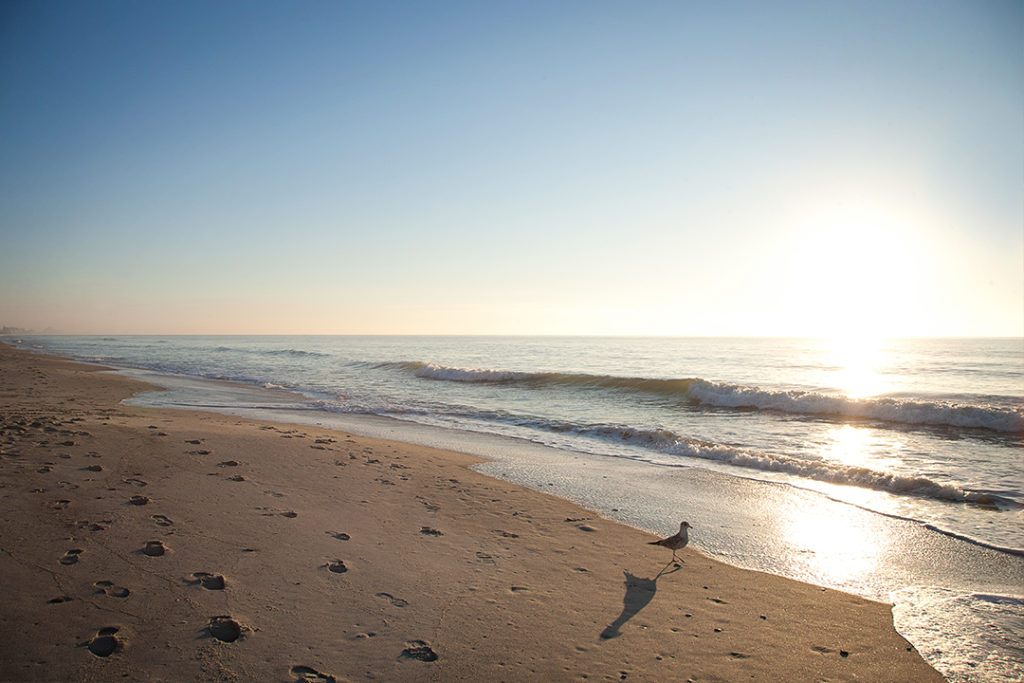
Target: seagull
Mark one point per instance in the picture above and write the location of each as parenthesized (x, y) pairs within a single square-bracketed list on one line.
[(676, 542)]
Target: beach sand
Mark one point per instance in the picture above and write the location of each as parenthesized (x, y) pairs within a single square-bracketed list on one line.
[(145, 544)]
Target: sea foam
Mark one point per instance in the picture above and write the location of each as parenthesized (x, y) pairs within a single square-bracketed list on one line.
[(701, 392)]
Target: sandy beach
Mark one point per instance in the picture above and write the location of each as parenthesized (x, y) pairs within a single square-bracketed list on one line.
[(145, 544)]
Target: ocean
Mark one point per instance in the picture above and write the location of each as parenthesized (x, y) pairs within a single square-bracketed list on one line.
[(892, 469)]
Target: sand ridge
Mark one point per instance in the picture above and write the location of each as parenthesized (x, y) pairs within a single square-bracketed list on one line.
[(172, 545)]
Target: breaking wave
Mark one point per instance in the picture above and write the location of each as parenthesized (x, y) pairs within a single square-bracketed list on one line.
[(696, 391), (297, 353), (666, 441)]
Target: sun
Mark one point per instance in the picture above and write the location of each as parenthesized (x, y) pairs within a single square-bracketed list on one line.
[(854, 274), (857, 358)]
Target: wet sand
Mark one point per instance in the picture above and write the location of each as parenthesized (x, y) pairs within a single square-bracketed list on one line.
[(172, 545)]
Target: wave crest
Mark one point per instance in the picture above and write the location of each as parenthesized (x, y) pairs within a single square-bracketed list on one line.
[(298, 353), (667, 442), (701, 392)]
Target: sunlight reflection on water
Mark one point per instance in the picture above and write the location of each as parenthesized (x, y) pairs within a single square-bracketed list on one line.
[(857, 359), (841, 550)]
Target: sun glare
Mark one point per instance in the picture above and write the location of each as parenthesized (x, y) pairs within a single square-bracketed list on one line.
[(848, 445), (855, 272), (839, 549), (856, 358)]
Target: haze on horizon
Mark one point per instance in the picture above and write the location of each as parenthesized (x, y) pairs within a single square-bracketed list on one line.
[(681, 168)]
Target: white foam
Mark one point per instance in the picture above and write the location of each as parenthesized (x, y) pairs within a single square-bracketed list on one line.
[(980, 638), (888, 409), (724, 395)]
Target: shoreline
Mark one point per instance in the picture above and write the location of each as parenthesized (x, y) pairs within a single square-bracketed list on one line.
[(443, 573), (498, 452)]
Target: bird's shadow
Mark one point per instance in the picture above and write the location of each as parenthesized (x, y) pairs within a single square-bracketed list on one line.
[(639, 592)]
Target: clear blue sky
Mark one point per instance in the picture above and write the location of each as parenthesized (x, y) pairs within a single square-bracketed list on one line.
[(513, 167)]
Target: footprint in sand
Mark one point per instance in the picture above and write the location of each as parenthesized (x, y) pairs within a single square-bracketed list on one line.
[(306, 674), (162, 520), (59, 504), (427, 531), (228, 463), (427, 504), (93, 468), (237, 477), (337, 566), (211, 582), (71, 556), (341, 536), (154, 549), (104, 643), (138, 500), (108, 588), (397, 602), (418, 649), (225, 629), (194, 441)]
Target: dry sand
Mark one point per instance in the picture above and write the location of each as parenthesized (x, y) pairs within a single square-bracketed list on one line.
[(142, 544)]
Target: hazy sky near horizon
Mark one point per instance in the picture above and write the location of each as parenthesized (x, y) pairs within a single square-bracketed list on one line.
[(690, 168)]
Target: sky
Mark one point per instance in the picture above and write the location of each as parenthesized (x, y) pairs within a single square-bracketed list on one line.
[(811, 168)]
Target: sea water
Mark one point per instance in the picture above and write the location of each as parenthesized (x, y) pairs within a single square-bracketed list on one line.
[(891, 469)]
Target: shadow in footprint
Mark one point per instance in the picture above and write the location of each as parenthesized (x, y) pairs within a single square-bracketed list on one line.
[(154, 549), (306, 674), (418, 649), (104, 644), (639, 593), (162, 520), (108, 588), (71, 556), (211, 582), (224, 629), (397, 602)]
